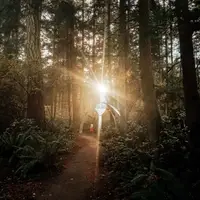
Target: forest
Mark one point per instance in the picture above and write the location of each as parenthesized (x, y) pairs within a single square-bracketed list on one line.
[(99, 99)]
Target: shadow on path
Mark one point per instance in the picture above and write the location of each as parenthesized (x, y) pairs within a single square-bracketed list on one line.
[(78, 176)]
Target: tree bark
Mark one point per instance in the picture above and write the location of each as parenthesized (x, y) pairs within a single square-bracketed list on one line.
[(35, 102), (11, 30), (166, 55), (192, 100), (123, 56), (82, 102), (150, 104), (72, 66)]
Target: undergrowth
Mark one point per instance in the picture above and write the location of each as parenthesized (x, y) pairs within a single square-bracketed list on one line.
[(27, 149), (126, 163)]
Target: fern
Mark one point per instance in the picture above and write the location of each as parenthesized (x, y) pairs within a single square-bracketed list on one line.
[(173, 184), (26, 167), (165, 186), (139, 179), (26, 146), (166, 175), (142, 195)]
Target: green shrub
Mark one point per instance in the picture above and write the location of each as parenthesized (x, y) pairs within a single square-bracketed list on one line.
[(12, 92), (128, 159), (158, 184), (28, 148)]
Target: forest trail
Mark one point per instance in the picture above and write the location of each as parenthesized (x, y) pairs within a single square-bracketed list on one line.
[(78, 176)]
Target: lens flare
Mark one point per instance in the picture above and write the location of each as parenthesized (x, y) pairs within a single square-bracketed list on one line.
[(102, 88), (98, 148)]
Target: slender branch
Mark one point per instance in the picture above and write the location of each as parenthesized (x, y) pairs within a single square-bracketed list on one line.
[(21, 85), (170, 68)]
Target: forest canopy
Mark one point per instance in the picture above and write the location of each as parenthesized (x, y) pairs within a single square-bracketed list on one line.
[(55, 53)]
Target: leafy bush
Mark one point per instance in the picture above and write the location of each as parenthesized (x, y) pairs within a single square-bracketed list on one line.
[(12, 92), (128, 158), (158, 184), (29, 149)]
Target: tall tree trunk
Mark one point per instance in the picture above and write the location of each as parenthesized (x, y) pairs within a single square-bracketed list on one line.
[(75, 102), (192, 100), (123, 56), (54, 83), (16, 28), (69, 101), (82, 102), (166, 54), (11, 31), (171, 46), (55, 105), (109, 47), (171, 35), (35, 103), (62, 103), (108, 34), (150, 104)]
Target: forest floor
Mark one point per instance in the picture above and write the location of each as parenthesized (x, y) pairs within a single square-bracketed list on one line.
[(75, 182), (79, 174)]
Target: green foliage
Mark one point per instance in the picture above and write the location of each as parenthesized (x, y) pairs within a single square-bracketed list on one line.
[(30, 149), (154, 184), (128, 159), (12, 92), (159, 184)]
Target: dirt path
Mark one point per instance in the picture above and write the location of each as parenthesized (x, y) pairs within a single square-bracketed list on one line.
[(78, 176)]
